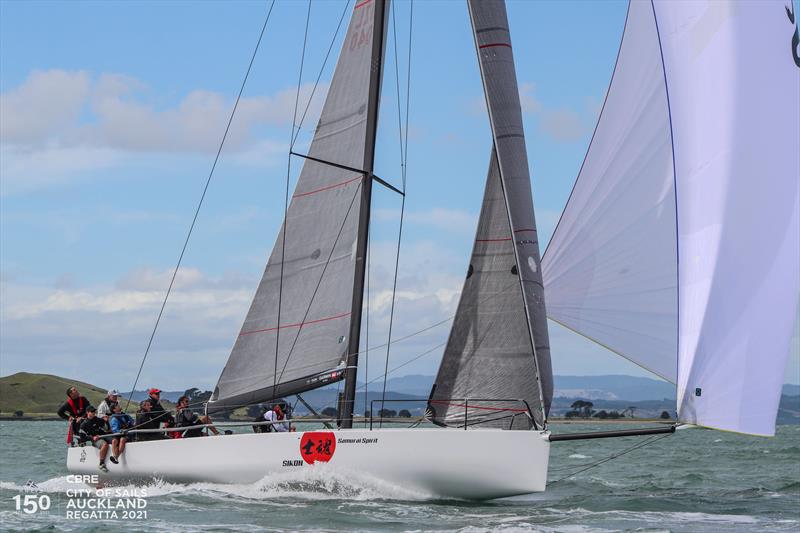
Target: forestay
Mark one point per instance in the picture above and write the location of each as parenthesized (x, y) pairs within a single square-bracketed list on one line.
[(732, 109), (314, 293), (501, 315)]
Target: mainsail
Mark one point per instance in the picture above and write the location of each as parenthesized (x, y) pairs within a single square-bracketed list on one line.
[(732, 112), (297, 332), (498, 346)]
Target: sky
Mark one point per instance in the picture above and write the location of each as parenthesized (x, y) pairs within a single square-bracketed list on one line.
[(110, 117)]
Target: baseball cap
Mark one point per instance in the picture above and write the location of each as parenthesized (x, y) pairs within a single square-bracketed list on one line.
[(112, 392), (154, 391)]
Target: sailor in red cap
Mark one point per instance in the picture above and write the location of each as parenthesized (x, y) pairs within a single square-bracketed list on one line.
[(157, 410)]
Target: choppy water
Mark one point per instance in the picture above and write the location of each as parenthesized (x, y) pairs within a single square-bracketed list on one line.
[(695, 480)]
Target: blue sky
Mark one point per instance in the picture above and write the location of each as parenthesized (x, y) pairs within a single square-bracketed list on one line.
[(111, 116)]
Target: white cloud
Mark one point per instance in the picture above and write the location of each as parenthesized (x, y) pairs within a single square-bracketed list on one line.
[(24, 168), (59, 126), (562, 124), (527, 99), (47, 102), (47, 328)]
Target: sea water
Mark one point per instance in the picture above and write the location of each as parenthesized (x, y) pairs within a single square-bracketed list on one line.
[(694, 480)]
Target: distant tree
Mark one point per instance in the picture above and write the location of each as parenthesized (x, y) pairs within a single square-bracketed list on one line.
[(601, 414), (572, 414), (664, 415), (196, 396), (584, 407), (614, 414), (577, 405), (404, 413), (388, 413), (18, 413), (330, 412)]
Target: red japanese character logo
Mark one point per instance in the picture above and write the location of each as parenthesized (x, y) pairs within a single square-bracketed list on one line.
[(317, 446)]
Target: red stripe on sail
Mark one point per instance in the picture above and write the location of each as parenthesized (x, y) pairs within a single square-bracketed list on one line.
[(361, 4), (326, 188), (492, 45), (298, 325)]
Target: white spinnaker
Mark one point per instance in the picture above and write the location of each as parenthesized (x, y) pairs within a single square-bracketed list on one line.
[(734, 93), (734, 115), (610, 270)]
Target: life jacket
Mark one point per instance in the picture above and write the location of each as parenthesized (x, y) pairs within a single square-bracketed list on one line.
[(76, 410)]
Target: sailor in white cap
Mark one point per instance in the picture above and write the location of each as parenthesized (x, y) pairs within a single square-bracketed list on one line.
[(106, 408)]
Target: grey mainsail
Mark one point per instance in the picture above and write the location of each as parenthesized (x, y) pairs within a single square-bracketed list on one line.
[(499, 345), (297, 332)]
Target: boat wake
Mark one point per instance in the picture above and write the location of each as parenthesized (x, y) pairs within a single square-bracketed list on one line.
[(321, 482)]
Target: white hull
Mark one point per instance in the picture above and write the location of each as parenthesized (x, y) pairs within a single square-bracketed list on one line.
[(476, 464)]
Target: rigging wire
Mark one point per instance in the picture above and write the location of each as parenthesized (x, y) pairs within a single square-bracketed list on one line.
[(286, 200), (200, 203), (403, 169), (319, 76), (611, 457)]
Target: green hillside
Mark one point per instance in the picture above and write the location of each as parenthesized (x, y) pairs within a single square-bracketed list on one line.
[(41, 393)]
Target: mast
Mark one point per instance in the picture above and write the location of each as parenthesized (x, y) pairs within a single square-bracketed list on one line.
[(378, 44)]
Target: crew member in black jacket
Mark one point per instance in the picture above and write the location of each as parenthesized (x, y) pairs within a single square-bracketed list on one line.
[(74, 410), (91, 429), (145, 419), (158, 411)]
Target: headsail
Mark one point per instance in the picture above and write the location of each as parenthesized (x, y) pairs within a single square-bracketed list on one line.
[(732, 113), (499, 347), (611, 270), (733, 84), (320, 254)]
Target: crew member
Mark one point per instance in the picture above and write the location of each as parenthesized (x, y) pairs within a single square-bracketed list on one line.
[(159, 413), (119, 423), (74, 410), (145, 419), (106, 407), (91, 430), (185, 417), (278, 415)]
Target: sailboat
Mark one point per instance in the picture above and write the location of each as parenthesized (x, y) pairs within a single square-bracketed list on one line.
[(699, 132)]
